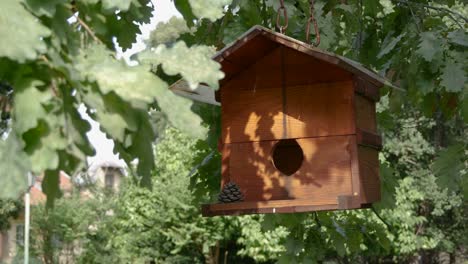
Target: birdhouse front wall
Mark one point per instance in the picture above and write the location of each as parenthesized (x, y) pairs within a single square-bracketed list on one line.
[(319, 99), (324, 109), (324, 175)]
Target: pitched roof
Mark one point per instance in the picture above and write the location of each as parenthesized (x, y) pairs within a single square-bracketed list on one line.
[(255, 44), (38, 197)]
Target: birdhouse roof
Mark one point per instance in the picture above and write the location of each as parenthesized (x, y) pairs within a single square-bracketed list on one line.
[(255, 44)]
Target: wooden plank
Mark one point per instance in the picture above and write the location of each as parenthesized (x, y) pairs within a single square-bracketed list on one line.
[(312, 111), (369, 139), (277, 206), (299, 70), (324, 175), (202, 93), (365, 114), (225, 157), (244, 55), (348, 202), (229, 69), (355, 175), (320, 110), (342, 62), (366, 89), (369, 172)]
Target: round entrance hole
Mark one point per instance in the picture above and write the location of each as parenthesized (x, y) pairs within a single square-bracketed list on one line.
[(287, 156)]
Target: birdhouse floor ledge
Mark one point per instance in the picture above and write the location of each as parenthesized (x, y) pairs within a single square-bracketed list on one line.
[(274, 206)]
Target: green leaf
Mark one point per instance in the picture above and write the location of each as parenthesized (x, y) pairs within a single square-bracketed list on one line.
[(388, 185), (448, 166), (14, 167), (276, 4), (371, 7), (135, 85), (44, 142), (464, 186), (425, 85), (178, 111), (389, 46), (453, 77), (183, 7), (429, 45), (114, 5), (168, 32), (233, 30), (142, 148), (44, 8), (464, 105), (113, 115), (28, 102), (194, 63), (21, 33), (210, 9), (51, 186), (459, 37)]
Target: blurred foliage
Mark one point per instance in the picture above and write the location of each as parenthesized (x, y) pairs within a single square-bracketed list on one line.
[(57, 56), (138, 225), (9, 209)]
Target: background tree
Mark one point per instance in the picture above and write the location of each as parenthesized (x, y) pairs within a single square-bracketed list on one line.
[(9, 209), (165, 226)]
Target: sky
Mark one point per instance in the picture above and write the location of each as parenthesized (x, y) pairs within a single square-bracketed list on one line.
[(163, 11)]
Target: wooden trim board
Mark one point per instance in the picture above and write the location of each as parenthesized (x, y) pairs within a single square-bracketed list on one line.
[(265, 207)]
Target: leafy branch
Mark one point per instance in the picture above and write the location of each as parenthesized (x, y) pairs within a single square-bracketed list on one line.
[(449, 12), (88, 29)]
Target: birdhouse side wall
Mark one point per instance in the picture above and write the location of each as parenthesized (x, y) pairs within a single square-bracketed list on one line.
[(369, 174), (368, 141)]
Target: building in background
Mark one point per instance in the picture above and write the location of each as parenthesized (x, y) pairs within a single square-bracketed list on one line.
[(107, 174), (14, 237), (102, 175)]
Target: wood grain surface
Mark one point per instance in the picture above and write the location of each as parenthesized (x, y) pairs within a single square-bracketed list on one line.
[(324, 174)]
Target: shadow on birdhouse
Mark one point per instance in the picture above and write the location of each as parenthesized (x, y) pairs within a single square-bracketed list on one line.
[(299, 128)]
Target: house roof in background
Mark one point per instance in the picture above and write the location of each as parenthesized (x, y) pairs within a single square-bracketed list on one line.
[(105, 164), (38, 197)]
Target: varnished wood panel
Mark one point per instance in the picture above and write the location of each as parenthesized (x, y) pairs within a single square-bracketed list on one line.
[(324, 175), (265, 207), (312, 111), (255, 42), (366, 89), (365, 114), (226, 153), (348, 202), (355, 174), (369, 139), (369, 173), (319, 110), (298, 70)]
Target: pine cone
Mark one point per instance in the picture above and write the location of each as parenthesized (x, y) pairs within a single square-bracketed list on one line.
[(230, 193)]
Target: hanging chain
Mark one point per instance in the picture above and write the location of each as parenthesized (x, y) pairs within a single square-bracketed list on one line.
[(282, 9), (314, 21)]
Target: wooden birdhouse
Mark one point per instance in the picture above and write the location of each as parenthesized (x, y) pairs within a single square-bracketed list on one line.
[(299, 128)]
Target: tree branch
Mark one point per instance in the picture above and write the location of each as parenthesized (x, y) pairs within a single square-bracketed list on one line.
[(88, 29), (381, 219), (449, 12)]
